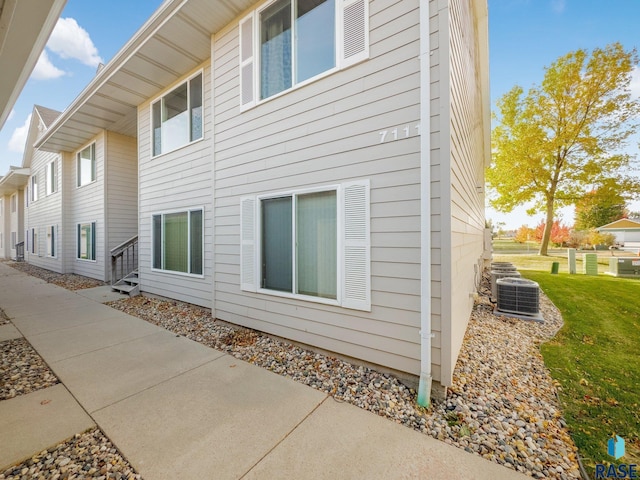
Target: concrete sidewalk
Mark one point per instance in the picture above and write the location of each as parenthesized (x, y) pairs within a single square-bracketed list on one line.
[(178, 409)]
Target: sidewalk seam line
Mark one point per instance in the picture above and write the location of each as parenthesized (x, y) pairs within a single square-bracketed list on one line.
[(285, 437)]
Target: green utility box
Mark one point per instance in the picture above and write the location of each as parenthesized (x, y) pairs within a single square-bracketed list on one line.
[(590, 263), (555, 267)]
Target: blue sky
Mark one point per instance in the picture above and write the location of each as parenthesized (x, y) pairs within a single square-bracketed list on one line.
[(524, 36)]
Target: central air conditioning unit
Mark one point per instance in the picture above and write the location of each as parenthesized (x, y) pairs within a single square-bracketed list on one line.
[(518, 296), (498, 273), (624, 266)]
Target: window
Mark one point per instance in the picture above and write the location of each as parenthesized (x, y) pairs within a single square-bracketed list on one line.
[(1, 207), (312, 244), (51, 177), (34, 241), (177, 117), (86, 241), (87, 165), (178, 241), (51, 241), (14, 240), (34, 188), (288, 42), (14, 202)]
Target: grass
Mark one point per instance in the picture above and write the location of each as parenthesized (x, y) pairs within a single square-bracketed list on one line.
[(595, 358)]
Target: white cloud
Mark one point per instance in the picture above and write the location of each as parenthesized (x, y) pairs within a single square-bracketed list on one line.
[(70, 40), (634, 86), (45, 70), (19, 137), (11, 114), (558, 6)]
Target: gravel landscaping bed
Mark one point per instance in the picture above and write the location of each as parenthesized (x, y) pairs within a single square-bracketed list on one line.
[(70, 281), (86, 455), (22, 370), (502, 405)]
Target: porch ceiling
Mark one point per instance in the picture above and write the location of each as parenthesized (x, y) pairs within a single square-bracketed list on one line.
[(175, 40), (14, 180)]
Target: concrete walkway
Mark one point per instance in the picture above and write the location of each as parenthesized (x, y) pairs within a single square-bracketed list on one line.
[(178, 409)]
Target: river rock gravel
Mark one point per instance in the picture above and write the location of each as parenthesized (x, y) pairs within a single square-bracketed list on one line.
[(86, 455), (70, 281), (502, 405), (22, 370)]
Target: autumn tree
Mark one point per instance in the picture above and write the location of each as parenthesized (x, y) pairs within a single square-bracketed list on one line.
[(524, 234), (600, 207), (553, 144)]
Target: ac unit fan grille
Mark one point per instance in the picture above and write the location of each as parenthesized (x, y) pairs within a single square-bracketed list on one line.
[(516, 295)]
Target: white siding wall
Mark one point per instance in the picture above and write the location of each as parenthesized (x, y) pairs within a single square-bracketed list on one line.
[(328, 132), (458, 157), (44, 213), (121, 191), (83, 205), (5, 227), (181, 179)]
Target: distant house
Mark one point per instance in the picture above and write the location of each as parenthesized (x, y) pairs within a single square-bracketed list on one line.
[(12, 197), (626, 231), (313, 170)]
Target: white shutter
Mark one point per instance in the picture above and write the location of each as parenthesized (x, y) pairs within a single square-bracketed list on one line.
[(356, 271), (248, 244), (247, 80), (353, 31)]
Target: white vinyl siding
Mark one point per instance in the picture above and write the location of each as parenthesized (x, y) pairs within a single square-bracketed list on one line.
[(327, 133), (1, 207), (46, 212), (289, 43), (177, 181), (14, 240), (176, 117)]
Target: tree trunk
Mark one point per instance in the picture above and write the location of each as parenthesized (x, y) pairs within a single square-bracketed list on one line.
[(544, 246)]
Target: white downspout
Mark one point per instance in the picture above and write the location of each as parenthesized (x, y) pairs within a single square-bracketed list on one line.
[(424, 387)]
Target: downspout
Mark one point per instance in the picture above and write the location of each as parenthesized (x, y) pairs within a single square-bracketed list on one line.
[(424, 387)]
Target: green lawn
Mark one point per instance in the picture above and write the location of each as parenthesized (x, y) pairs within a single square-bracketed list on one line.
[(596, 358)]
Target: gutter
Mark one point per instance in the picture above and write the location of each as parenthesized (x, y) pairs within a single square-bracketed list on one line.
[(424, 386)]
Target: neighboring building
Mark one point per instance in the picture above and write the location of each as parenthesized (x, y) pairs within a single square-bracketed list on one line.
[(12, 197), (626, 231), (25, 26), (313, 170)]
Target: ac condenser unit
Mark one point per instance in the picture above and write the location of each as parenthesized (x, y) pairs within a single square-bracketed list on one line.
[(519, 296), (498, 274)]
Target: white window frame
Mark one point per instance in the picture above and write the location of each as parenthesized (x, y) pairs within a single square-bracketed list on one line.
[(51, 177), (94, 228), (52, 250), (94, 161), (169, 212), (250, 63), (33, 186), (34, 241), (13, 240), (339, 229), (159, 98), (349, 237), (14, 203)]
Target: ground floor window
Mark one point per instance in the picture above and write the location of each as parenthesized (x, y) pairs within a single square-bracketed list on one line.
[(34, 241), (312, 244), (51, 241), (14, 240), (86, 241), (178, 241)]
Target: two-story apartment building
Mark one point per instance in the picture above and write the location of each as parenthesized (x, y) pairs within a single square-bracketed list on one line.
[(310, 169), (12, 198)]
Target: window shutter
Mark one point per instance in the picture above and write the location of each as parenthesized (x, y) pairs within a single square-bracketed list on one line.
[(353, 28), (247, 81), (356, 271), (248, 244)]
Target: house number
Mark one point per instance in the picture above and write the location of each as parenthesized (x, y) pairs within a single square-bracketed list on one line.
[(398, 133)]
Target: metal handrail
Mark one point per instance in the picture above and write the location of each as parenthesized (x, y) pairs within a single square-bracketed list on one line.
[(124, 259)]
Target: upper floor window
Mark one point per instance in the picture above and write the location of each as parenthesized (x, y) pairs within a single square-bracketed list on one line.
[(1, 207), (288, 42), (14, 202), (86, 164), (34, 188), (51, 177), (177, 117)]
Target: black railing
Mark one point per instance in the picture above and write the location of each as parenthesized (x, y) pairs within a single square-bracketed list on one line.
[(20, 252), (124, 259)]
